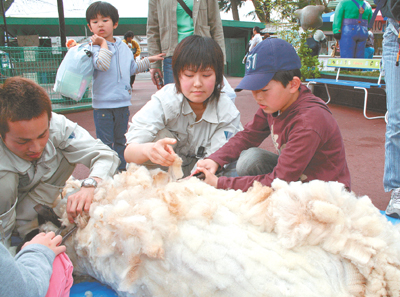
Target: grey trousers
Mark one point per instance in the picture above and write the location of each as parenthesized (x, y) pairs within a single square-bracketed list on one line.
[(256, 161)]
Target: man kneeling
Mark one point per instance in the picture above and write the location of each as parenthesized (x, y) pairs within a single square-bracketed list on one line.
[(38, 151)]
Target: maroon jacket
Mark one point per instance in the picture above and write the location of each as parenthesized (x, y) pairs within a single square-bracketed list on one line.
[(308, 140)]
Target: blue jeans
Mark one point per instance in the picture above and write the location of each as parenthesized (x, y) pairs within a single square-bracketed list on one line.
[(256, 161), (352, 43), (111, 126), (391, 177), (167, 69)]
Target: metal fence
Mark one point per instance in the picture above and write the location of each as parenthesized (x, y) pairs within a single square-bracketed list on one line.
[(40, 64)]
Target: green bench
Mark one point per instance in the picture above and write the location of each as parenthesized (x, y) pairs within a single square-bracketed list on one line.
[(363, 64)]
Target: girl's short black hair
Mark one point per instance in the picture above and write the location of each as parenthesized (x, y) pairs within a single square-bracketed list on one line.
[(129, 34), (102, 8), (286, 76), (199, 53), (257, 29)]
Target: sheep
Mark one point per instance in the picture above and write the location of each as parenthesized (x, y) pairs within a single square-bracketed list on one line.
[(148, 235)]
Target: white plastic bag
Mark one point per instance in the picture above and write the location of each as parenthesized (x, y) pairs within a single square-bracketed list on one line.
[(75, 72)]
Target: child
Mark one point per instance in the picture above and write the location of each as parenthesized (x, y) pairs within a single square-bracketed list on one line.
[(191, 118), (304, 132), (41, 266), (134, 46), (114, 64)]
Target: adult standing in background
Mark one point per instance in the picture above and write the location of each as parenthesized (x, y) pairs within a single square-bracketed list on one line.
[(168, 22), (134, 46), (391, 176), (256, 38)]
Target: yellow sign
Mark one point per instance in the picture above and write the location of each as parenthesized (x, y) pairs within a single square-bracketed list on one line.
[(354, 63)]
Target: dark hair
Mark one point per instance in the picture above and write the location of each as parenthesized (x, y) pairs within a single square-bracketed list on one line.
[(199, 53), (257, 29), (129, 34), (286, 76), (102, 8), (21, 99)]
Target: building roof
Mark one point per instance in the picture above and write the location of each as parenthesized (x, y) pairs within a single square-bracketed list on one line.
[(41, 18)]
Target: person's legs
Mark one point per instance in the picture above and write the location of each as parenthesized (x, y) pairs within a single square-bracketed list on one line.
[(369, 52), (104, 123), (132, 79), (392, 78), (391, 177), (167, 69), (46, 192), (347, 42), (121, 116), (229, 170), (361, 39), (256, 161)]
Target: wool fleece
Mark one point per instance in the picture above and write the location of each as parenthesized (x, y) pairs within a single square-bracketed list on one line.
[(149, 235)]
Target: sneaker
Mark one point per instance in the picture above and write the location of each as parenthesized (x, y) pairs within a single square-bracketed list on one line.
[(393, 209)]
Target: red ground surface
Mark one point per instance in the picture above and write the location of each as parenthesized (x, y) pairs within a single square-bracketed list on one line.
[(364, 139)]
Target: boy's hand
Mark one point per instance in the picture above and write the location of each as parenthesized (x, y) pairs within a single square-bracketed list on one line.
[(162, 153), (79, 202), (98, 40), (153, 72), (49, 240), (209, 165), (210, 178), (158, 57)]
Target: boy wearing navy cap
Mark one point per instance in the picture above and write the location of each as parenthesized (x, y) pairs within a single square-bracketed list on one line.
[(306, 136)]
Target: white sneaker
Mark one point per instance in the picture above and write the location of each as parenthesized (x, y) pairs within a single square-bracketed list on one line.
[(393, 208)]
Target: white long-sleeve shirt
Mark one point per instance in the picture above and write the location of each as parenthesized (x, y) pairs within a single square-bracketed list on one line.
[(256, 40)]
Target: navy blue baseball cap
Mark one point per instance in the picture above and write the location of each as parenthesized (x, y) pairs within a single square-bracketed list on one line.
[(268, 57)]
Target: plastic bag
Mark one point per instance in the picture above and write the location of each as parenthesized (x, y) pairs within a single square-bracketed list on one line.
[(75, 72)]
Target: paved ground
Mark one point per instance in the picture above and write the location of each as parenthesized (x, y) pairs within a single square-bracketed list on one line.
[(364, 139)]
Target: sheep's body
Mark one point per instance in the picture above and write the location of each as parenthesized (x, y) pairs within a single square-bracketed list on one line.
[(150, 237)]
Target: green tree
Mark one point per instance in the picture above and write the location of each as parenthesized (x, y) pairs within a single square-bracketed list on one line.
[(310, 65), (264, 8), (234, 5)]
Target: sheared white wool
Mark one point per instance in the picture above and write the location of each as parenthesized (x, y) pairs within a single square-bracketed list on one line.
[(149, 236)]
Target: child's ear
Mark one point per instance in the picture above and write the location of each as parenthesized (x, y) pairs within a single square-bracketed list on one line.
[(295, 84), (89, 28), (115, 25)]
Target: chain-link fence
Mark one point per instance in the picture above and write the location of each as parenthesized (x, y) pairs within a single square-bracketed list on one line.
[(40, 64)]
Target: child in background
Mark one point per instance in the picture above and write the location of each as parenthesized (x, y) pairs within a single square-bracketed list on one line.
[(191, 118), (134, 46), (304, 132), (114, 64), (41, 266)]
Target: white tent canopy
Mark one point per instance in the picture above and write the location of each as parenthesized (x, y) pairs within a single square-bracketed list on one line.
[(77, 9)]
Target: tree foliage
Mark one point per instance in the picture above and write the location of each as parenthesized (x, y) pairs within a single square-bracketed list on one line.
[(310, 65), (231, 5), (264, 8)]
